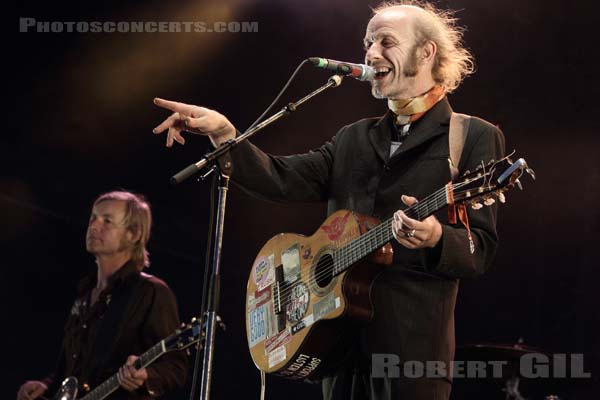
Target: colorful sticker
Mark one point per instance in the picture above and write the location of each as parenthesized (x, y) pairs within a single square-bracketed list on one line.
[(259, 324), (297, 302), (259, 298), (264, 272), (290, 259), (277, 356), (277, 340), (336, 227)]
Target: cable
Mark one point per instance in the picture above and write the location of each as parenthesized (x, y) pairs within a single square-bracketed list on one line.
[(279, 95)]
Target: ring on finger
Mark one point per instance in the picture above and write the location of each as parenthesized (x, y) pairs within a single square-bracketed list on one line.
[(410, 234)]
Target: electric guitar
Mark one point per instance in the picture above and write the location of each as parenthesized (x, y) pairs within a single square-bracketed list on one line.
[(304, 292), (181, 339)]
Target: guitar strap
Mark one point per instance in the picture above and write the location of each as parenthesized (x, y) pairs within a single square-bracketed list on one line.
[(118, 309), (457, 137)]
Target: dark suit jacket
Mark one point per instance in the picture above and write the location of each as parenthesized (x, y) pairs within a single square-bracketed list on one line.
[(414, 300)]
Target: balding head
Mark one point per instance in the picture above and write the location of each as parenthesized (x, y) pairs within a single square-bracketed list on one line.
[(452, 62), (403, 64)]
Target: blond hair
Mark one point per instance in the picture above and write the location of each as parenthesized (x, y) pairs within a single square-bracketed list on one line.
[(138, 220), (453, 62)]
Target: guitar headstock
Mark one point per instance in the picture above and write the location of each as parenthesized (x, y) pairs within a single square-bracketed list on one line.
[(185, 336), (490, 181)]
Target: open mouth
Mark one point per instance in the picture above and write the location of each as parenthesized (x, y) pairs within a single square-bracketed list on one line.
[(382, 72)]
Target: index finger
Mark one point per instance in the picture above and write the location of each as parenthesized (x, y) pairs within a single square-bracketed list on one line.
[(175, 106), (131, 360)]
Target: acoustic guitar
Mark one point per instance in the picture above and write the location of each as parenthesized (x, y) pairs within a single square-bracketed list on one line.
[(305, 293)]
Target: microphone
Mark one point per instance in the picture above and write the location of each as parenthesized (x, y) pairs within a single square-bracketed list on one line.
[(359, 71)]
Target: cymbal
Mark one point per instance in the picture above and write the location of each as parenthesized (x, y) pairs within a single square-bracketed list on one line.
[(495, 351)]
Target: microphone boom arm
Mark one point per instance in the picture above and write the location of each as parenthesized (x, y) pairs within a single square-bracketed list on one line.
[(224, 148)]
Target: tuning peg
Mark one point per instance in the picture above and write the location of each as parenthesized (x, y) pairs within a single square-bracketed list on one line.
[(491, 162), (467, 172), (476, 205), (489, 201), (501, 197), (519, 184), (530, 172)]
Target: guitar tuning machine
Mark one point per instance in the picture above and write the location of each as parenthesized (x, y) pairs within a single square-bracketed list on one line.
[(501, 197), (475, 205), (489, 201), (519, 184)]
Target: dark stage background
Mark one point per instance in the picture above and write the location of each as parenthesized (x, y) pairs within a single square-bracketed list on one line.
[(81, 125)]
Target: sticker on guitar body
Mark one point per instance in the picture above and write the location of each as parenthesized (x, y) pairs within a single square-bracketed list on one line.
[(326, 305), (261, 323), (278, 340), (308, 321), (297, 302), (264, 272), (290, 258), (277, 356), (259, 298)]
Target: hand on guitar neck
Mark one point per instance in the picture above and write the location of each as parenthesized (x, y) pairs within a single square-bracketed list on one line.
[(130, 378), (415, 234)]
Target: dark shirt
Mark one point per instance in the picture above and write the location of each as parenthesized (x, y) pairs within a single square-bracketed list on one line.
[(134, 312)]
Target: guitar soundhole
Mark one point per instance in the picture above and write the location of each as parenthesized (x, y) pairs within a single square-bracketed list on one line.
[(324, 270)]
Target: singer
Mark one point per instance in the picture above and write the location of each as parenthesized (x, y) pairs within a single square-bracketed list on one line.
[(378, 166)]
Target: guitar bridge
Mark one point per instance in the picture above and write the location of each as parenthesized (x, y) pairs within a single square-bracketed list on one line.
[(278, 307)]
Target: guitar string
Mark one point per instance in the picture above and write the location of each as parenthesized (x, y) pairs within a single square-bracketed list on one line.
[(377, 232), (328, 267)]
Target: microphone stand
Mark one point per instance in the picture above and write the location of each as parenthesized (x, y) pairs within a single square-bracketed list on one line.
[(220, 161)]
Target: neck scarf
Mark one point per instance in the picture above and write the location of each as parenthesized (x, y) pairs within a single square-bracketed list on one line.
[(410, 110)]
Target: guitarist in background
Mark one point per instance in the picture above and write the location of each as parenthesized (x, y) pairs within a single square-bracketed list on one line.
[(378, 166), (119, 310)]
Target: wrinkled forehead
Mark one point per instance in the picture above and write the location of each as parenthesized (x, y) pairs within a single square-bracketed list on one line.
[(396, 22)]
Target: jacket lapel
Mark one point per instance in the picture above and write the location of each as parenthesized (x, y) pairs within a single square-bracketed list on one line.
[(380, 136), (430, 126)]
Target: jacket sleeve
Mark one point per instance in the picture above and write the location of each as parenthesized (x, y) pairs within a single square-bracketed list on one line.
[(452, 256), (296, 178), (53, 380), (170, 370)]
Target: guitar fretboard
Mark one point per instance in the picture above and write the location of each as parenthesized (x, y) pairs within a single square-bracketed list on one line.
[(112, 383), (358, 249)]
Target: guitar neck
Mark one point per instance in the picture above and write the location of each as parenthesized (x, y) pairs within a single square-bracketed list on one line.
[(360, 248), (111, 384)]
